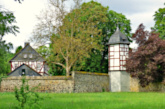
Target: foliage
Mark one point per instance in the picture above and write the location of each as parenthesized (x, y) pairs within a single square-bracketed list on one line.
[(6, 23), (44, 51), (148, 62), (18, 49), (5, 55), (78, 35), (20, 1), (98, 61), (24, 95), (106, 100), (159, 18), (92, 13), (56, 70)]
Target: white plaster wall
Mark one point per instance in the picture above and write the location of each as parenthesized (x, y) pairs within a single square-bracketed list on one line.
[(32, 64), (115, 84), (125, 81), (119, 81)]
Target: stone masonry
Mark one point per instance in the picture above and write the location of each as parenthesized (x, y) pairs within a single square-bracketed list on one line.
[(79, 82)]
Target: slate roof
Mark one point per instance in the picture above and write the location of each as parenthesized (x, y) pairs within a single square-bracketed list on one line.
[(118, 38), (28, 50), (29, 73)]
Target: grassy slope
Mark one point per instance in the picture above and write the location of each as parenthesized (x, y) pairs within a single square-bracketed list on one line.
[(93, 101)]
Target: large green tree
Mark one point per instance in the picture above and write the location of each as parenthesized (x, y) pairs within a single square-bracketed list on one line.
[(7, 20), (78, 23), (100, 64), (159, 18), (78, 35)]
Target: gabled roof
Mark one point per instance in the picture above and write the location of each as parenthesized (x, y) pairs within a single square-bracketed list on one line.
[(27, 50), (26, 66), (118, 38)]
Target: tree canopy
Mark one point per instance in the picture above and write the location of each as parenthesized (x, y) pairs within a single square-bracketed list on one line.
[(78, 35), (159, 18), (148, 62), (5, 56), (88, 25), (7, 20)]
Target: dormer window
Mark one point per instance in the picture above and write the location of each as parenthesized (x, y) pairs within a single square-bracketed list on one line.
[(25, 56), (30, 56)]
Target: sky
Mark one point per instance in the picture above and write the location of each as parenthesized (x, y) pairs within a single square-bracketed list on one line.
[(137, 11)]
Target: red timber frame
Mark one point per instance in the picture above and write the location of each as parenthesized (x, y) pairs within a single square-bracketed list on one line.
[(123, 53), (33, 65)]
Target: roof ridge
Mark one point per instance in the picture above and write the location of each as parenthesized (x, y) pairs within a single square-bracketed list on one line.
[(19, 52)]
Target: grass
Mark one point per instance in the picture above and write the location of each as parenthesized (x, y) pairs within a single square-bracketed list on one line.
[(106, 100)]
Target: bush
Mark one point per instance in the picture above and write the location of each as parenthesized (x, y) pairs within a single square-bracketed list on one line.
[(27, 97)]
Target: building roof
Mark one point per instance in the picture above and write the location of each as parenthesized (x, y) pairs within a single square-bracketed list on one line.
[(118, 38), (31, 71), (27, 54)]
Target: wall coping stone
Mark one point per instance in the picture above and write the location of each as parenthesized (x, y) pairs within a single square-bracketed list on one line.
[(40, 78), (92, 73)]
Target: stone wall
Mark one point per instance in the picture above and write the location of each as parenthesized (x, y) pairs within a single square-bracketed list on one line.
[(154, 87), (45, 83), (90, 82), (134, 84), (79, 82)]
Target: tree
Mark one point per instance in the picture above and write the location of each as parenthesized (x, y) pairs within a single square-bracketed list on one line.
[(159, 18), (148, 62), (49, 22), (44, 51), (100, 64), (19, 1), (18, 49), (78, 35), (7, 20), (5, 55), (6, 23)]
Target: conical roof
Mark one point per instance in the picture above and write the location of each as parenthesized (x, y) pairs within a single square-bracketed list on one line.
[(118, 38)]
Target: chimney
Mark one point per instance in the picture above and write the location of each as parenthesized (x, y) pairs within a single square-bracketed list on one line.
[(26, 43)]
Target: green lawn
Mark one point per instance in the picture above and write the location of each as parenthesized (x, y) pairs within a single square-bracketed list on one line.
[(105, 100)]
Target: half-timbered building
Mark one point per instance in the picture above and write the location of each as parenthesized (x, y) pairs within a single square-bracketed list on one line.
[(28, 62)]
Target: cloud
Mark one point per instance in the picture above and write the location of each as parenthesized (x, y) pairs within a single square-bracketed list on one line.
[(138, 11), (132, 6)]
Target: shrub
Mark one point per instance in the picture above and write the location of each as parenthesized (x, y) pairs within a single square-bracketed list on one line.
[(25, 95)]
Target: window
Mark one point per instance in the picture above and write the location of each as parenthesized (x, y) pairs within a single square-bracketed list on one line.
[(16, 65), (25, 55), (30, 56), (23, 72)]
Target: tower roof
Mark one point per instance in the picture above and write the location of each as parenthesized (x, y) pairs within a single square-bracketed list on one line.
[(118, 38)]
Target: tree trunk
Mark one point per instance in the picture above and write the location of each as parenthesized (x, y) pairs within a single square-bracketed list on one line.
[(67, 71)]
